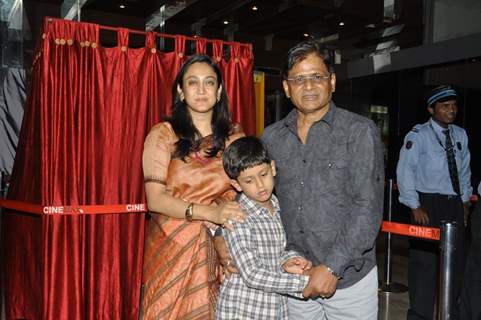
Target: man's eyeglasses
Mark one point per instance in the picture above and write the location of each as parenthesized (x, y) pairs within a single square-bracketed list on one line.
[(301, 79)]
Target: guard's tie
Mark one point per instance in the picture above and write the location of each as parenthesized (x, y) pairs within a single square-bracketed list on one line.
[(453, 169)]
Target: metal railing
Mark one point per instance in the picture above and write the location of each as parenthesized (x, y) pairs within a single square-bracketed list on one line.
[(447, 249)]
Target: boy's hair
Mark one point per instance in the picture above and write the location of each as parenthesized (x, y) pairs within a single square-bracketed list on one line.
[(244, 153)]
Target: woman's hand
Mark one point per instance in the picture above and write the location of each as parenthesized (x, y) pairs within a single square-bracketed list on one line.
[(227, 213), (210, 225), (228, 266)]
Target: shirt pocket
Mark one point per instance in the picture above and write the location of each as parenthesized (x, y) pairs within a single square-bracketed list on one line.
[(458, 156), (339, 171), (330, 174), (436, 161)]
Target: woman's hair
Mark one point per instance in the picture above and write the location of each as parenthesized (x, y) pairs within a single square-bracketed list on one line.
[(181, 120)]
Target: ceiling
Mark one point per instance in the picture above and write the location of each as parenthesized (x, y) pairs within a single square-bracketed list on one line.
[(352, 28), (355, 27)]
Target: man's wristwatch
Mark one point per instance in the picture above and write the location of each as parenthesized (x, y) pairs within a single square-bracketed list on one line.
[(333, 272)]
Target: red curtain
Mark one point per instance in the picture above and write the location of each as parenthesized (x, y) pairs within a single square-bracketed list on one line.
[(238, 76), (81, 143)]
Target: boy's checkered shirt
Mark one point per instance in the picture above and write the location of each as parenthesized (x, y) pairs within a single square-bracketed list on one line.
[(257, 246)]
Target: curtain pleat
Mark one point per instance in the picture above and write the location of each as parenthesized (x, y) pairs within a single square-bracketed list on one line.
[(89, 109), (238, 76)]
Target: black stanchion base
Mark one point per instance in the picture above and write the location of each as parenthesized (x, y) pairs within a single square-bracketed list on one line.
[(393, 287)]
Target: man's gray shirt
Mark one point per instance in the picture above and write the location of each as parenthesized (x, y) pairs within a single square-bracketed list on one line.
[(330, 189)]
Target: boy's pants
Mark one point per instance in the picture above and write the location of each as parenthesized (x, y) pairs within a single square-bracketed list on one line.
[(359, 301)]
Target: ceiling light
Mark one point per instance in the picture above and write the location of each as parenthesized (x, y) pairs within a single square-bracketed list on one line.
[(226, 22), (306, 34), (254, 8), (122, 6), (341, 23)]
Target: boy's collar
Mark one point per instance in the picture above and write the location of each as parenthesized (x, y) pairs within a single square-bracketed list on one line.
[(243, 199)]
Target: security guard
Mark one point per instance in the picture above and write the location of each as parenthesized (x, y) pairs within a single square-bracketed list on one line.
[(434, 180)]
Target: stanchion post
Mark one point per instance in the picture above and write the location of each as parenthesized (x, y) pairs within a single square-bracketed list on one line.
[(387, 260), (447, 247), (389, 286)]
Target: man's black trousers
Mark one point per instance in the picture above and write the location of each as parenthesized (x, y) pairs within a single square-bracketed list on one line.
[(423, 273)]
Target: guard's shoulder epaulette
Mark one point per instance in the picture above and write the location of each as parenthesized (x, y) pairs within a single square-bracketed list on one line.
[(415, 128)]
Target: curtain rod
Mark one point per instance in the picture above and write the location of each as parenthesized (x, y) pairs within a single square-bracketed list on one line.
[(165, 35), (161, 35)]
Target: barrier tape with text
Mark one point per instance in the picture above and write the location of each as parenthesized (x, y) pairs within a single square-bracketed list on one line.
[(72, 210), (387, 226), (411, 230)]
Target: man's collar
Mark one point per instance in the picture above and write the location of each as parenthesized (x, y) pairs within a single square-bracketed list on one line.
[(437, 127), (329, 116), (291, 119)]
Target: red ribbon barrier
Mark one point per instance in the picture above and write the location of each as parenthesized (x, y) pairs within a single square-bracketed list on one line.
[(73, 210), (411, 230)]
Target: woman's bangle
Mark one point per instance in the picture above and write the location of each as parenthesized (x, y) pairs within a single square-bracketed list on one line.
[(189, 212)]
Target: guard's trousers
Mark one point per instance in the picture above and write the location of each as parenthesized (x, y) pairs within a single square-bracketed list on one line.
[(423, 273)]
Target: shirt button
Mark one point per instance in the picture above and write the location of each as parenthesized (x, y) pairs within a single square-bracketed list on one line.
[(299, 208), (301, 231), (329, 165), (302, 183), (304, 160)]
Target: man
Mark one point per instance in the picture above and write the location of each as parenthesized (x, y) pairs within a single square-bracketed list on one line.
[(470, 307), (330, 187), (434, 180)]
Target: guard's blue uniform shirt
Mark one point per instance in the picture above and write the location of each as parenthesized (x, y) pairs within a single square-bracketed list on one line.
[(423, 165)]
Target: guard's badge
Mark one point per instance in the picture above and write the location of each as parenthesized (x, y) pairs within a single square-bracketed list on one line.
[(458, 144), (409, 144), (414, 129)]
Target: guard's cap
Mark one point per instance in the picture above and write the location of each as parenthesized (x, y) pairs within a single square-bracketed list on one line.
[(441, 94)]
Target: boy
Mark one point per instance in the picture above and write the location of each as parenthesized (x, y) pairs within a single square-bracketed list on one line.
[(257, 245)]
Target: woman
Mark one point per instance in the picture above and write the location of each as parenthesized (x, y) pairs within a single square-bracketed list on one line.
[(187, 189)]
